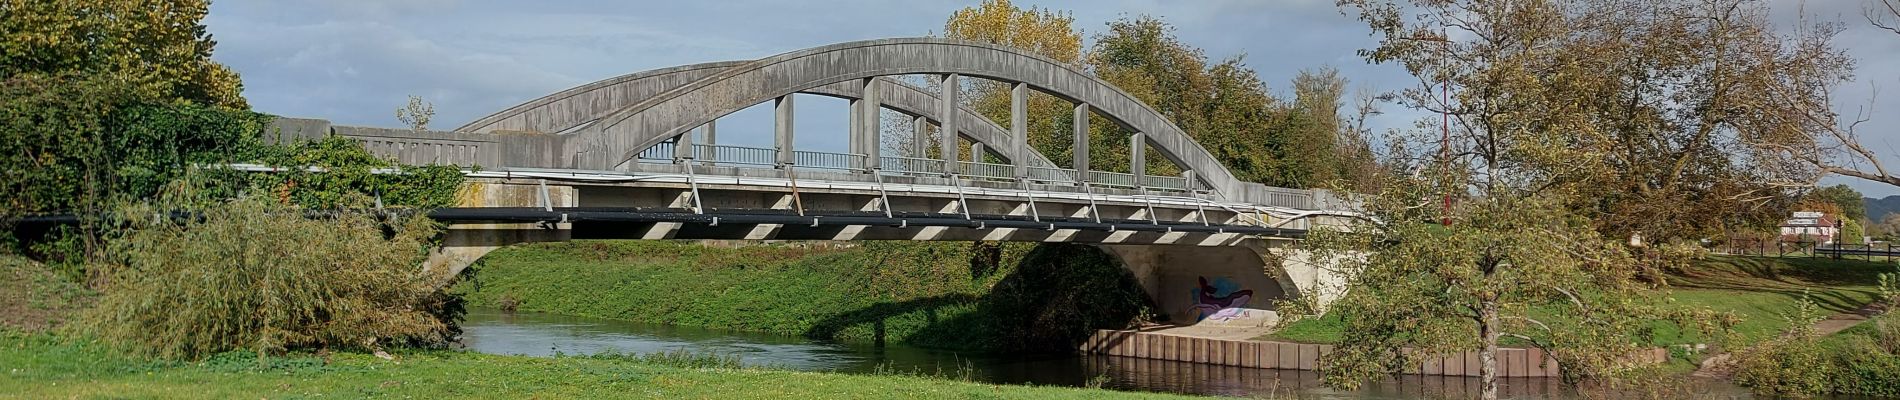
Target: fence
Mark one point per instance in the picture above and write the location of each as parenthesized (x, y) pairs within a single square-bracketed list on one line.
[(1777, 248)]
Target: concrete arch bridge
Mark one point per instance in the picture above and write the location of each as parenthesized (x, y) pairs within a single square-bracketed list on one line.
[(637, 156)]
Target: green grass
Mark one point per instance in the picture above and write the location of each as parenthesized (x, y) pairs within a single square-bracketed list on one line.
[(38, 366), (1021, 297), (1760, 290)]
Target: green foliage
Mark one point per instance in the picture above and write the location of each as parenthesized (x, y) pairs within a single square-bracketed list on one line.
[(1007, 297), (255, 275), (1852, 205), (156, 47), (348, 178), (1860, 361)]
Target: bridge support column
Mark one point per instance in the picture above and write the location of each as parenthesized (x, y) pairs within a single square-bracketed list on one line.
[(1081, 126), (710, 135), (463, 244), (1137, 157), (919, 137), (1019, 127), (869, 121), (947, 109), (782, 128), (683, 147), (976, 152)]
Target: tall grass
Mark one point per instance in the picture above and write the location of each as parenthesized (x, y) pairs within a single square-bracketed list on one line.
[(252, 274)]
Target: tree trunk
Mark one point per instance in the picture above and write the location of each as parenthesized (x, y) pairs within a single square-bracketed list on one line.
[(1488, 328)]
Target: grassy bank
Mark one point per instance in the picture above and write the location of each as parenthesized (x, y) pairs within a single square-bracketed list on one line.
[(1760, 290), (1012, 297), (38, 366)]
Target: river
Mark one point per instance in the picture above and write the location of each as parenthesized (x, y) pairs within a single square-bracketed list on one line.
[(540, 334)]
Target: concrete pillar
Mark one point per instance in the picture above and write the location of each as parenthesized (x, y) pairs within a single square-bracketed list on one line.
[(1019, 126), (976, 152), (710, 135), (871, 119), (1189, 175), (1137, 159), (1081, 140), (854, 141), (782, 132), (919, 137), (946, 111), (683, 147)]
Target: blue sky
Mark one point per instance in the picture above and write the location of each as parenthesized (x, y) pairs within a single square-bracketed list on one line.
[(355, 61)]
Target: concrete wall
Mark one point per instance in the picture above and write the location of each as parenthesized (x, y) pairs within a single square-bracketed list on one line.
[(1234, 277), (1512, 362)]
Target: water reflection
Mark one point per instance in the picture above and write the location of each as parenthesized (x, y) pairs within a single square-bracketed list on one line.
[(538, 334)]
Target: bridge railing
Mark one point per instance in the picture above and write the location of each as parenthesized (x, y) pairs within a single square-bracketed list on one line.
[(1173, 183), (824, 160), (727, 154), (911, 165), (1052, 175), (1116, 179), (663, 151), (978, 170)]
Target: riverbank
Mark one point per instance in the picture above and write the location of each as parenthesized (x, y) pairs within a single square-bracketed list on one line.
[(1010, 297), (1762, 291), (40, 366)]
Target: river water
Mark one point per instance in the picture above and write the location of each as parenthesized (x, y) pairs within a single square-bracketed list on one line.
[(540, 334)]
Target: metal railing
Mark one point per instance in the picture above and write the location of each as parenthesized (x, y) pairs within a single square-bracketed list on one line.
[(1175, 183), (986, 170), (1052, 175), (735, 154), (1101, 178), (911, 165), (823, 160)]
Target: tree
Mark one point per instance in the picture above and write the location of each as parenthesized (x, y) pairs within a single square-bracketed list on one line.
[(416, 114), (157, 46), (1847, 201), (1884, 14), (1842, 152), (1569, 121), (1690, 105), (1041, 32)]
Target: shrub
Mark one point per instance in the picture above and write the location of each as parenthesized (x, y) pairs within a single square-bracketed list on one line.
[(1790, 365), (254, 275)]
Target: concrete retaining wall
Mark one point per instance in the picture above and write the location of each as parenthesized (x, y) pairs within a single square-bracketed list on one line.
[(1513, 363)]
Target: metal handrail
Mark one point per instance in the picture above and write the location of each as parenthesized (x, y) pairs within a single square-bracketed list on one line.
[(911, 165), (728, 154), (1101, 178), (1174, 183), (987, 170), (1052, 175), (824, 160)]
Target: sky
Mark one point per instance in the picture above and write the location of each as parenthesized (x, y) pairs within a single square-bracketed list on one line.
[(354, 62)]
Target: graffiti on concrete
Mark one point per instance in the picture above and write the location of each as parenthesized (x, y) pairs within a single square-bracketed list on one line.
[(1220, 294)]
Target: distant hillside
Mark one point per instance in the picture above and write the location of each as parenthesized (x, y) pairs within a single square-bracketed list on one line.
[(1877, 209)]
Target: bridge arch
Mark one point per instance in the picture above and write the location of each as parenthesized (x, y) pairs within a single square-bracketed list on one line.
[(563, 111), (621, 135)]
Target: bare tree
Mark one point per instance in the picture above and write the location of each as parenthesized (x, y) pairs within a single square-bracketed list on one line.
[(416, 114)]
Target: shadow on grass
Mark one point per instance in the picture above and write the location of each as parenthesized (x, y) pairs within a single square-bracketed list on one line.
[(1835, 285), (1052, 300)]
